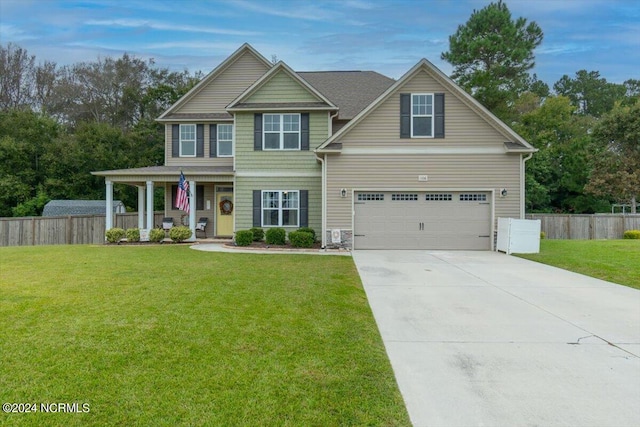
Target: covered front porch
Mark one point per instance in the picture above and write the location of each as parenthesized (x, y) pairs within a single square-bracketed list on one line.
[(211, 196)]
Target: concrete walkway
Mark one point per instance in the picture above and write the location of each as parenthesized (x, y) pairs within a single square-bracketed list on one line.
[(220, 247), (487, 339)]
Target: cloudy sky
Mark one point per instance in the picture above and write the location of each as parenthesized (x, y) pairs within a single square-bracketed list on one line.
[(388, 36)]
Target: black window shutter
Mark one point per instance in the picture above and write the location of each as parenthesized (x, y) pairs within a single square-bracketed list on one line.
[(304, 208), (175, 140), (257, 132), (199, 197), (257, 208), (199, 140), (304, 131), (439, 115), (405, 115), (213, 141), (174, 190)]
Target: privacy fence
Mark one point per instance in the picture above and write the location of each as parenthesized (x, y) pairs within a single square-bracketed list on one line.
[(597, 226), (60, 230)]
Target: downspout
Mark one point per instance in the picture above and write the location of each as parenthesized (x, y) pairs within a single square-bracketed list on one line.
[(324, 199), (522, 185)]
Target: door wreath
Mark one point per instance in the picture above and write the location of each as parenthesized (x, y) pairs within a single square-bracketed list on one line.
[(226, 207)]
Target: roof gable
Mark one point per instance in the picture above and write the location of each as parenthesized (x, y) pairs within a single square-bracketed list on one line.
[(451, 87), (222, 84), (281, 86)]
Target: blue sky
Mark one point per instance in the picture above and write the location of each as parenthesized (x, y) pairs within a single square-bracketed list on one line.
[(388, 36)]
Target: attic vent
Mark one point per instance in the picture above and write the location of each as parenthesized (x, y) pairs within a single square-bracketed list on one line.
[(404, 197), (370, 196)]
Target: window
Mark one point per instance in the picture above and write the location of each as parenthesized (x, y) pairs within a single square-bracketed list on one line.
[(422, 115), (281, 131), (437, 197), (370, 196), (187, 140), (225, 140), (473, 197), (404, 197), (280, 208)]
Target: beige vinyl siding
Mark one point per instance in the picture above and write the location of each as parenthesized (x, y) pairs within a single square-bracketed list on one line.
[(463, 126), (445, 172), (281, 87), (288, 160), (193, 161), (226, 87), (244, 198)]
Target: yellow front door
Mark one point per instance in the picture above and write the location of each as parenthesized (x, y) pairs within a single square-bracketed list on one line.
[(224, 202)]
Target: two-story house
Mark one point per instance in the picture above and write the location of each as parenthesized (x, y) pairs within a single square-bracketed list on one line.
[(367, 161)]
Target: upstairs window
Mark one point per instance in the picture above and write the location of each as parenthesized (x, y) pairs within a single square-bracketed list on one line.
[(225, 140), (187, 140), (422, 115), (281, 131)]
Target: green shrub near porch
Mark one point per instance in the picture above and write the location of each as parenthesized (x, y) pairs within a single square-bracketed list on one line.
[(244, 237), (115, 234), (632, 234), (156, 235), (180, 233), (301, 239), (275, 236)]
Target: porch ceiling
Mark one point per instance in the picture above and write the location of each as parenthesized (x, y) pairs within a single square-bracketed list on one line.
[(138, 176)]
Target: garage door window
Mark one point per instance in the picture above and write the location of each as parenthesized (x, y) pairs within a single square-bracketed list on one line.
[(473, 197), (437, 197), (404, 197), (367, 197)]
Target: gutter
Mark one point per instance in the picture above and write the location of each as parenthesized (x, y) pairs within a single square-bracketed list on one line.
[(522, 185)]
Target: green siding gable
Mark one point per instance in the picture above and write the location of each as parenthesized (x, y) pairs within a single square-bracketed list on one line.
[(281, 87), (304, 161)]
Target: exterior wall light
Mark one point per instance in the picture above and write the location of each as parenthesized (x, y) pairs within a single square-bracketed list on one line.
[(503, 192), (343, 192)]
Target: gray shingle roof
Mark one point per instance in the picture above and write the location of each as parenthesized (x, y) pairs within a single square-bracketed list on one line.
[(351, 91), (79, 207), (198, 116)]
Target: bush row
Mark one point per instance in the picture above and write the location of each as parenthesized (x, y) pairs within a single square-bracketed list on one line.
[(632, 234), (304, 237), (176, 234)]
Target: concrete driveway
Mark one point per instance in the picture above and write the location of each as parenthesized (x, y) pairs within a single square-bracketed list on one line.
[(487, 339)]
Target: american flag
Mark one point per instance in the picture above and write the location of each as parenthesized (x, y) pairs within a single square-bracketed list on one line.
[(182, 195)]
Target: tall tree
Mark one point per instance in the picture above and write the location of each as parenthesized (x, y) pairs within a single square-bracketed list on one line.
[(16, 77), (590, 93), (616, 168), (492, 54)]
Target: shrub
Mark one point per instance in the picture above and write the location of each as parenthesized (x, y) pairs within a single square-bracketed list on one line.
[(115, 234), (543, 235), (258, 234), (244, 237), (275, 236), (133, 235), (301, 239), (632, 234), (308, 230), (180, 233), (156, 235)]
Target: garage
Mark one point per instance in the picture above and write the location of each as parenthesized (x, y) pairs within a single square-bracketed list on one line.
[(422, 220)]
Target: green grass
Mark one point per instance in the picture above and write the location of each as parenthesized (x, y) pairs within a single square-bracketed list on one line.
[(617, 261), (169, 336)]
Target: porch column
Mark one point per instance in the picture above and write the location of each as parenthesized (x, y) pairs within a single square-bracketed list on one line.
[(192, 210), (141, 207), (109, 209), (149, 204)]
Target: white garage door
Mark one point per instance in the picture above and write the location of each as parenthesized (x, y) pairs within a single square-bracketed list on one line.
[(431, 220)]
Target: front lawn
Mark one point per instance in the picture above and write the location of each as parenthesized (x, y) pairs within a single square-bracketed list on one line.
[(167, 336), (617, 261)]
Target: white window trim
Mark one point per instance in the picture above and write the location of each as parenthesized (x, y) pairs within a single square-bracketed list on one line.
[(281, 132), (432, 115), (218, 140), (195, 140), (262, 208)]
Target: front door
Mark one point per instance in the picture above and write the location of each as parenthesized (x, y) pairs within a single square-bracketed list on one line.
[(224, 203)]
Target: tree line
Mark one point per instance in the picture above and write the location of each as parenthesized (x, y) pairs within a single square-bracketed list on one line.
[(57, 124)]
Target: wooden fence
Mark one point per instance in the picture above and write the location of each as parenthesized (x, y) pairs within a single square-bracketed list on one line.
[(60, 230), (597, 226)]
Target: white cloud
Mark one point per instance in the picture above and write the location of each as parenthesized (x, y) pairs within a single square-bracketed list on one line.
[(141, 23), (10, 32)]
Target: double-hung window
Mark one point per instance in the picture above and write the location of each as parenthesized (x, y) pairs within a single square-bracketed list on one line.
[(225, 140), (280, 208), (281, 131), (422, 115), (187, 140)]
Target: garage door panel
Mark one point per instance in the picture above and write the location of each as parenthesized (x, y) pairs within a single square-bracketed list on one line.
[(444, 220)]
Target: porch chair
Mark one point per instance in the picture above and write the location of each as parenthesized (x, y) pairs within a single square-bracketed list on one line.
[(202, 225), (167, 223)]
